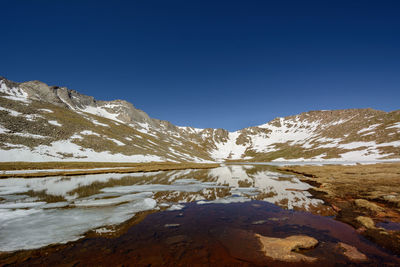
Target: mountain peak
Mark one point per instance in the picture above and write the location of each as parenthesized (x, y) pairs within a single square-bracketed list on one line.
[(41, 123)]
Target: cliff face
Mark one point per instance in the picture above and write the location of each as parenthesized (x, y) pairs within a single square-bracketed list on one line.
[(41, 123)]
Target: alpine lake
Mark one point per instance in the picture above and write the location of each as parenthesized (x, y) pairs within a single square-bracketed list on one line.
[(233, 215)]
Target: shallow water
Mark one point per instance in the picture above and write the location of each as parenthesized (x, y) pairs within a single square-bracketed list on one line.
[(216, 235), (388, 225), (67, 207)]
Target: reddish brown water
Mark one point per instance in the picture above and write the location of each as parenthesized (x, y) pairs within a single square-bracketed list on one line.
[(209, 235)]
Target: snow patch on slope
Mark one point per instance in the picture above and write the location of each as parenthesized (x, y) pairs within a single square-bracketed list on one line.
[(14, 93), (394, 126), (370, 128), (295, 132), (290, 131), (11, 112), (55, 123), (228, 149), (102, 112)]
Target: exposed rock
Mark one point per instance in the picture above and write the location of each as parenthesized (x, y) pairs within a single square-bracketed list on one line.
[(335, 208), (282, 248), (367, 222), (352, 253)]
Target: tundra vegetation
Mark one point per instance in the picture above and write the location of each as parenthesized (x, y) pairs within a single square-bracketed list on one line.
[(364, 196)]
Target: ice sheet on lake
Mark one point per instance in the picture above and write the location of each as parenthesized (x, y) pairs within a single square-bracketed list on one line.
[(37, 229), (90, 202)]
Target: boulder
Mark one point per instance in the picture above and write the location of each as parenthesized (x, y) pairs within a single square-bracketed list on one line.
[(352, 253), (282, 249)]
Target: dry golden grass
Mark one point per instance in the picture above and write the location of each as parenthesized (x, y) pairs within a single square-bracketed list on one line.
[(373, 181), (74, 123), (362, 196), (114, 167)]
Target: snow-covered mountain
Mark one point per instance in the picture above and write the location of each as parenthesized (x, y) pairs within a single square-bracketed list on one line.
[(48, 123)]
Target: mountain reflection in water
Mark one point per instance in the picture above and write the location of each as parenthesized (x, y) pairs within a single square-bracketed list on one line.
[(36, 212)]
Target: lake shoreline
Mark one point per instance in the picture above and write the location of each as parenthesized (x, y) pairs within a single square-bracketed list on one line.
[(366, 197)]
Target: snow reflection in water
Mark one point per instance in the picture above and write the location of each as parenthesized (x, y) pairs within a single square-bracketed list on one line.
[(36, 212)]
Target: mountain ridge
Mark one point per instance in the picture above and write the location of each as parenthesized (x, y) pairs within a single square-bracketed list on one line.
[(130, 134)]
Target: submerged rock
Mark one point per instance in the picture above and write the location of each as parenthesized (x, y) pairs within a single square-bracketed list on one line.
[(282, 248), (352, 253), (176, 239), (259, 222), (171, 225)]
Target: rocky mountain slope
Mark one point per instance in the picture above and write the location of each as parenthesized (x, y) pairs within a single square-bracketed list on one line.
[(47, 123)]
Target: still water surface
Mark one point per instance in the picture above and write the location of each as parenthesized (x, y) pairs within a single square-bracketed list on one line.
[(36, 212), (220, 203)]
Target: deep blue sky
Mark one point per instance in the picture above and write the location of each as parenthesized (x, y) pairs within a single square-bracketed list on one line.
[(228, 64)]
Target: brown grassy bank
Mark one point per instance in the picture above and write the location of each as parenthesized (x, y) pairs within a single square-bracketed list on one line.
[(114, 167), (364, 196)]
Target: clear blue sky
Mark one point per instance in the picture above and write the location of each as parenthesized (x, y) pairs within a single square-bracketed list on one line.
[(227, 64)]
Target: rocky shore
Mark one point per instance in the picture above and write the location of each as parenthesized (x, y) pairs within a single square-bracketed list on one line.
[(364, 196)]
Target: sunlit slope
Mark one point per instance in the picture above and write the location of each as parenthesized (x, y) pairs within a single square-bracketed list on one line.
[(353, 134), (47, 123)]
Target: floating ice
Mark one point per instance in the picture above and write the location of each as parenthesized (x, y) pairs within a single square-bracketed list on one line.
[(32, 229), (175, 207)]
